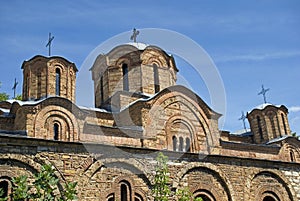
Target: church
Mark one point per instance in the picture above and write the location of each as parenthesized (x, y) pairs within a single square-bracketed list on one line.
[(110, 149)]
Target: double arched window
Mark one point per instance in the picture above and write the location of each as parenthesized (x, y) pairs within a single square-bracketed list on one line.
[(125, 193)]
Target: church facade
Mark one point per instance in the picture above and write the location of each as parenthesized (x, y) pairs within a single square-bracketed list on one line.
[(110, 149)]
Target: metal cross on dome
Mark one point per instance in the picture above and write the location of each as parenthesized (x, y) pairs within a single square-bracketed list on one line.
[(243, 118), (263, 92), (49, 43), (134, 35), (15, 87)]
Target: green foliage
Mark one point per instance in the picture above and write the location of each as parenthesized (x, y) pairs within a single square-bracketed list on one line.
[(20, 188), (186, 195), (1, 194), (161, 189), (4, 96), (18, 97), (44, 187)]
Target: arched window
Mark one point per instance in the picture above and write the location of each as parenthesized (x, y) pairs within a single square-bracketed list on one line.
[(28, 86), (156, 78), (292, 156), (284, 125), (4, 185), (180, 144), (101, 89), (174, 140), (188, 144), (111, 197), (39, 85), (57, 82), (125, 191), (204, 198), (138, 197), (55, 131), (125, 77), (259, 127), (205, 195), (268, 198)]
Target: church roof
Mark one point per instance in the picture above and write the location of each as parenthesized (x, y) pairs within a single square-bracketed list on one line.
[(49, 58), (140, 46), (266, 105)]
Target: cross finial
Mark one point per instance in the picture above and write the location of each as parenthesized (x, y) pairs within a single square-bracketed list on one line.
[(263, 92), (243, 118), (49, 43), (15, 87), (134, 35)]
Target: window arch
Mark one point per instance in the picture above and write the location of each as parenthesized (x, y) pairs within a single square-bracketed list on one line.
[(156, 78), (5, 185), (205, 195), (259, 127), (187, 144), (57, 81), (39, 85), (284, 124), (111, 197), (138, 197), (101, 90), (181, 144), (268, 198), (125, 77), (174, 140), (125, 191), (55, 131), (292, 156)]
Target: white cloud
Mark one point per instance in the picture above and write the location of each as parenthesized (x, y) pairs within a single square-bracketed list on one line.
[(258, 57), (294, 109)]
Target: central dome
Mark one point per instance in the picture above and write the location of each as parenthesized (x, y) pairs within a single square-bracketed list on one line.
[(130, 71)]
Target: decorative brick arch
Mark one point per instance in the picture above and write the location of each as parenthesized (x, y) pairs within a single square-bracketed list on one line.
[(216, 172), (32, 164), (184, 120), (286, 149), (160, 103), (61, 115), (132, 164), (260, 190), (129, 173), (154, 54)]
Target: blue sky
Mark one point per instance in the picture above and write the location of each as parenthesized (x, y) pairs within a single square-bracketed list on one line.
[(251, 42)]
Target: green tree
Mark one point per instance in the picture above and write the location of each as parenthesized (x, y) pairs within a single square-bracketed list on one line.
[(44, 187), (18, 97), (20, 188), (161, 190), (186, 195)]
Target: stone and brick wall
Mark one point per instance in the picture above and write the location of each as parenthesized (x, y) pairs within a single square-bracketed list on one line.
[(100, 170)]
